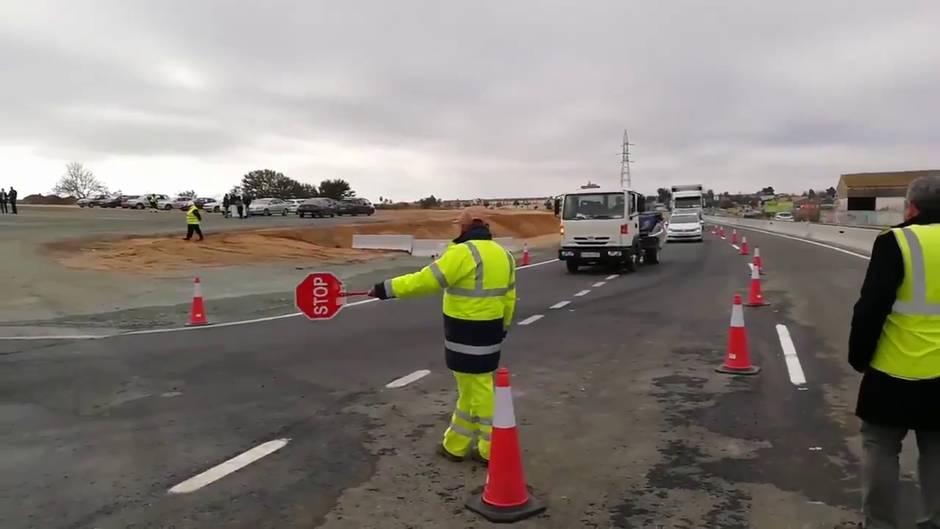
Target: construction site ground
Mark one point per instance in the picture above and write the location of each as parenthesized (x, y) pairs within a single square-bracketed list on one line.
[(75, 270)]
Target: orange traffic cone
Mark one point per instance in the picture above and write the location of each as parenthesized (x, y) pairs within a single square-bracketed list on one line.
[(526, 260), (505, 496), (721, 232), (734, 236), (197, 315), (758, 262), (737, 358), (744, 250), (755, 298)]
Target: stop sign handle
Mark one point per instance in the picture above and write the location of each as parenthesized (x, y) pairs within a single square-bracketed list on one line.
[(356, 293)]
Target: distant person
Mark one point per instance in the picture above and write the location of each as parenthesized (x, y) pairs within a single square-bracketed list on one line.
[(226, 204), (193, 218), (11, 196), (247, 200), (3, 201), (895, 342), (239, 206)]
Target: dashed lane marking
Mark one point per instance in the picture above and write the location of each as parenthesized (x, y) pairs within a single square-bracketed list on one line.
[(232, 465), (408, 379), (201, 327), (559, 305), (735, 246), (531, 319), (582, 293), (789, 355), (599, 284), (611, 277)]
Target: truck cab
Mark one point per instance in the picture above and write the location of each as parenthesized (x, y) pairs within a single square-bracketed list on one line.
[(599, 227)]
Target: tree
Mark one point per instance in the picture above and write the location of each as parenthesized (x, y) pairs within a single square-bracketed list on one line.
[(769, 190), (187, 194), (663, 195), (811, 194), (78, 182), (337, 189), (831, 192), (429, 202), (265, 183), (710, 198)]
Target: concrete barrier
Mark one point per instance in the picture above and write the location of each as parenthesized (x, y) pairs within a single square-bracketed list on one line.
[(429, 247), (402, 243), (857, 239)]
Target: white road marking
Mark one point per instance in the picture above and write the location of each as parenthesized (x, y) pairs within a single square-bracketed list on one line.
[(789, 355), (232, 465), (202, 327), (807, 241), (408, 379), (559, 305), (735, 246), (531, 319), (599, 284), (582, 293), (611, 277)]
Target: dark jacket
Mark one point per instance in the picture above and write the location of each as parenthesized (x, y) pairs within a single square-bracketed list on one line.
[(883, 399)]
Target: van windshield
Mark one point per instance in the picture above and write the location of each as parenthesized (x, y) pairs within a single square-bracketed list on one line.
[(594, 206)]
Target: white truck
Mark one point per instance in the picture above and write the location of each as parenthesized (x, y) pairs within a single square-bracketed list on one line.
[(688, 197), (600, 227)]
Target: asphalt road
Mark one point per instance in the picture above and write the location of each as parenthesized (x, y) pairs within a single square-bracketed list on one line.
[(623, 420)]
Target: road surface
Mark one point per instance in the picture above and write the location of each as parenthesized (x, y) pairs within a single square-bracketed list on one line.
[(623, 420)]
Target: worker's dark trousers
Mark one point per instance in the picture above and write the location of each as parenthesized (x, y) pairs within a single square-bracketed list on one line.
[(13, 205), (3, 206), (881, 446), (191, 229)]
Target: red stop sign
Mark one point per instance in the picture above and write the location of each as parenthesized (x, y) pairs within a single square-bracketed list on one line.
[(319, 296)]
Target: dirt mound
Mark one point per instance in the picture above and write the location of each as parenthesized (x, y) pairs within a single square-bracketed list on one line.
[(48, 200), (155, 255)]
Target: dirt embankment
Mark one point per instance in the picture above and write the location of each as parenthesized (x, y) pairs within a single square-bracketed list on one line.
[(155, 255)]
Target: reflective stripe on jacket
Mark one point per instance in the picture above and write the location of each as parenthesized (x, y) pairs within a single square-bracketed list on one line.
[(191, 217), (909, 346), (478, 279)]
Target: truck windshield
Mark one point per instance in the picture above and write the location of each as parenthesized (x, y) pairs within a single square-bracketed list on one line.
[(594, 206), (688, 202)]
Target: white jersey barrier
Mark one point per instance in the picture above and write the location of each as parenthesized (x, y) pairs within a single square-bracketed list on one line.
[(858, 239), (402, 243)]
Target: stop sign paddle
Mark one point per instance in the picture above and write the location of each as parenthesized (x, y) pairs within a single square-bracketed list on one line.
[(320, 296)]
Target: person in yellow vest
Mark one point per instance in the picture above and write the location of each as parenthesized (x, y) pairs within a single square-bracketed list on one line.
[(895, 342), (478, 277), (193, 218)]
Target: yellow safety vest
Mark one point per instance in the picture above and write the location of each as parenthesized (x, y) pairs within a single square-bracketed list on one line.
[(191, 217), (909, 346)]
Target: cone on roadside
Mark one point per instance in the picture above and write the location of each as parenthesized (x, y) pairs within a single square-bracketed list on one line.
[(505, 497), (755, 297), (737, 357), (721, 232), (758, 262), (526, 259), (197, 313), (744, 249), (734, 236)]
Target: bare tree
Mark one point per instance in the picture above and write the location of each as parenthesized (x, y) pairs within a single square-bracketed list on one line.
[(78, 182)]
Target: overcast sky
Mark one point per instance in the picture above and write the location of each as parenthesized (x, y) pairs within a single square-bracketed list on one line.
[(467, 99)]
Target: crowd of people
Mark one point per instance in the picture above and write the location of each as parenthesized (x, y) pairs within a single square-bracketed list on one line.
[(8, 201), (239, 202)]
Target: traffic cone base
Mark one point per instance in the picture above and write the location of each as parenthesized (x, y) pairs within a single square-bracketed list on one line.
[(752, 370), (531, 507)]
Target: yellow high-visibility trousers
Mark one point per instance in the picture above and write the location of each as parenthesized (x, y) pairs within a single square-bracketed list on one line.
[(473, 416)]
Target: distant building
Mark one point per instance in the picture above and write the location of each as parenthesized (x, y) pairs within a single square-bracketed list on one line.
[(875, 198)]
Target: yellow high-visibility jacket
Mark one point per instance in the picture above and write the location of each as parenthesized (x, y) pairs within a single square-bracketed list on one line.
[(192, 216), (478, 278)]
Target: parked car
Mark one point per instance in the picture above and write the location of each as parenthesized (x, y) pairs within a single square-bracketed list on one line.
[(90, 202), (143, 201), (268, 207), (181, 202), (684, 227), (209, 204), (126, 200), (113, 201), (293, 204), (752, 214), (355, 206), (317, 207), (784, 216)]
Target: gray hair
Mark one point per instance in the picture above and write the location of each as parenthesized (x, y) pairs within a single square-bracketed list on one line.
[(925, 193)]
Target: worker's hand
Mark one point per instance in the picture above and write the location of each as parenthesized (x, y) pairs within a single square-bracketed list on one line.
[(371, 293)]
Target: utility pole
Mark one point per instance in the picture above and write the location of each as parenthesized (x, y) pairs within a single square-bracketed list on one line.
[(625, 162)]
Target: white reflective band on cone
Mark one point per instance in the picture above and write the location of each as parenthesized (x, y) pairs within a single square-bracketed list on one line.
[(737, 316), (505, 416), (197, 289), (755, 273), (757, 251)]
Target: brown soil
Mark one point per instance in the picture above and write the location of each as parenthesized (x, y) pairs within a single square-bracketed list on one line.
[(155, 255)]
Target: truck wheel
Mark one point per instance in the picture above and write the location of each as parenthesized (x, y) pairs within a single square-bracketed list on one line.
[(651, 256), (572, 266)]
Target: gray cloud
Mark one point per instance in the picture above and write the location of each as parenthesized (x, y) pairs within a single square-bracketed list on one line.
[(479, 99)]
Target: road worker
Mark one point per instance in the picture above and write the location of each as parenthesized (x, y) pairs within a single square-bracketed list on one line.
[(193, 218), (895, 342), (478, 278)]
